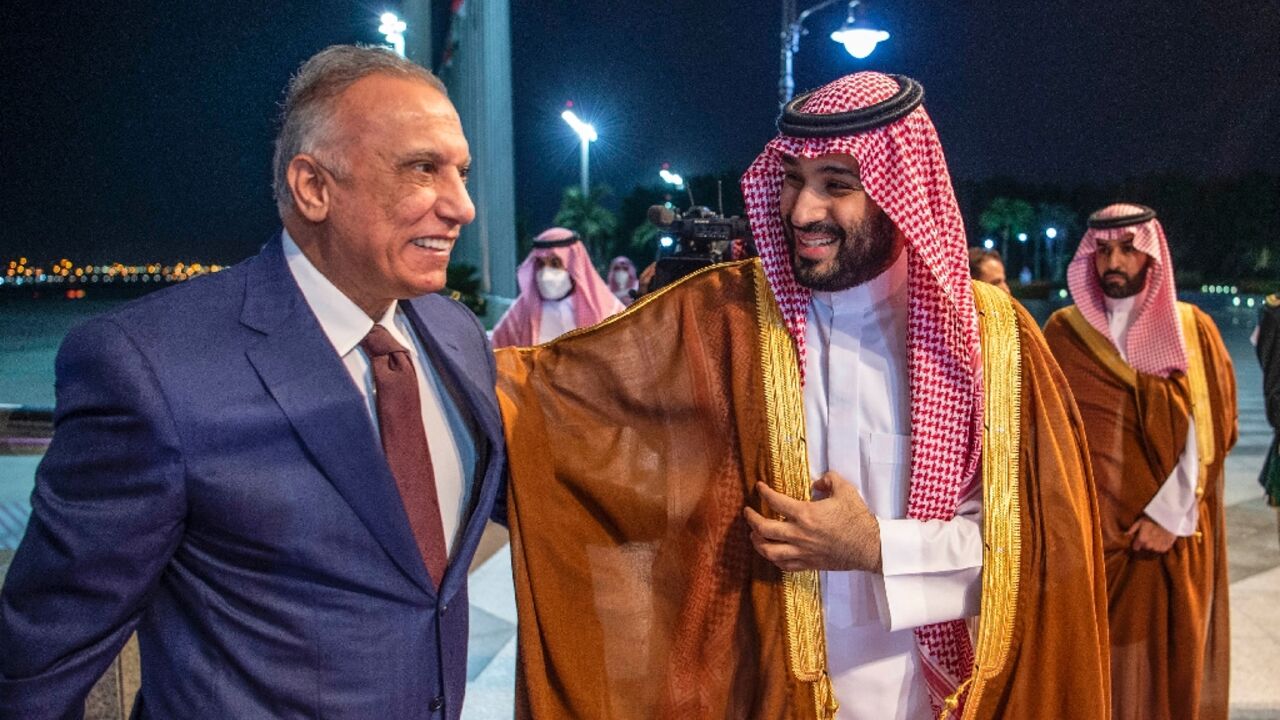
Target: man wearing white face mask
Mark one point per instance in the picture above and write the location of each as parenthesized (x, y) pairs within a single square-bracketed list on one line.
[(559, 291)]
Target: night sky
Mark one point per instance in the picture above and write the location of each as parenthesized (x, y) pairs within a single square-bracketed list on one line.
[(136, 130)]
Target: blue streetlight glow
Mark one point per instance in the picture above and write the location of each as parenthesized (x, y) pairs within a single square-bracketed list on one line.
[(859, 42), (1051, 233), (1022, 237), (988, 243)]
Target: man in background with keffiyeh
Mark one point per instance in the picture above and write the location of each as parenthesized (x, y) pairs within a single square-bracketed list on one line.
[(954, 521), (1156, 389)]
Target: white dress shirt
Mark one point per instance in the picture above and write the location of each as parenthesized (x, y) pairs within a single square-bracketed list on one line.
[(1175, 506), (453, 454), (557, 319), (857, 414)]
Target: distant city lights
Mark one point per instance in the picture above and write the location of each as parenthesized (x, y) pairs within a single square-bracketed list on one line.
[(23, 272)]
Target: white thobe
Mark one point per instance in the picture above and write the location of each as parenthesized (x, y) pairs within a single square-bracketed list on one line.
[(1175, 506), (557, 319), (857, 415), (453, 452)]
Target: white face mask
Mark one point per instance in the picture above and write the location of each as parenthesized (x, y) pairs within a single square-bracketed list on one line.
[(553, 283), (621, 278)]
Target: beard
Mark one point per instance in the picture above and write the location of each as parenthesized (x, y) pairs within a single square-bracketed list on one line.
[(1131, 285), (864, 251)]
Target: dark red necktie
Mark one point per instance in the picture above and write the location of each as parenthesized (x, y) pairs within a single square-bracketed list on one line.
[(405, 442)]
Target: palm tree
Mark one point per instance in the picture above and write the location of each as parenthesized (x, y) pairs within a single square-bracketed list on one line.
[(1007, 217), (590, 219)]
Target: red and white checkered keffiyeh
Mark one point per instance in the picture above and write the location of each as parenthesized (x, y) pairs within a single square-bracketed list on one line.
[(592, 299), (1155, 345), (905, 173)]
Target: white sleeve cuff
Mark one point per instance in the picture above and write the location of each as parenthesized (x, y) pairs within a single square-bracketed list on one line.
[(932, 571), (1175, 506)]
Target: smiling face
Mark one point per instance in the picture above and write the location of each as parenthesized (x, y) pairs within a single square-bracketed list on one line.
[(384, 225), (837, 235), (1122, 268)]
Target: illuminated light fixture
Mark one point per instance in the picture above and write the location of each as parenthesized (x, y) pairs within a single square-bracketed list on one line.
[(1051, 233), (393, 28), (988, 243), (587, 135), (671, 178), (666, 241), (586, 131), (858, 35), (1022, 237)]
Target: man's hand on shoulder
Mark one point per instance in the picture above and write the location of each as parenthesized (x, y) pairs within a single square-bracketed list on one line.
[(835, 532), (1146, 535)]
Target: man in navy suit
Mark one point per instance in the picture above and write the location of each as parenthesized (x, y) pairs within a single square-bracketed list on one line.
[(278, 474)]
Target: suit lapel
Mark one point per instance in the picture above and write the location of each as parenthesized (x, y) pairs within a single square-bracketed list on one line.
[(311, 385), (446, 350)]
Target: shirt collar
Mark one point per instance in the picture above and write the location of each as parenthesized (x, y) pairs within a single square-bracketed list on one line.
[(343, 322), (868, 295), (1119, 306)]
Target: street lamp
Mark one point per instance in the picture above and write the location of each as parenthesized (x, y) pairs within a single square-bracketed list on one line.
[(393, 28), (675, 181), (587, 134), (858, 36), (671, 178)]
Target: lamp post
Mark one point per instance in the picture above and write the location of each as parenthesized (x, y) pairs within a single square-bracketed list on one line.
[(857, 35), (393, 28), (587, 135)]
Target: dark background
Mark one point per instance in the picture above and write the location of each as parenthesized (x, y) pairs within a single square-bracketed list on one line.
[(137, 130)]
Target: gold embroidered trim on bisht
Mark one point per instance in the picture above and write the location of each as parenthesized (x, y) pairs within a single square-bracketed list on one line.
[(1201, 407), (789, 465), (1001, 504), (1101, 347)]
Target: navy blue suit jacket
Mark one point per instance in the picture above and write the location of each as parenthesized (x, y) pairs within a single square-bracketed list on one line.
[(214, 482)]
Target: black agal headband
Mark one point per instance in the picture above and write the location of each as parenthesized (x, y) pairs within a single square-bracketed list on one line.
[(1143, 214), (562, 242), (795, 123)]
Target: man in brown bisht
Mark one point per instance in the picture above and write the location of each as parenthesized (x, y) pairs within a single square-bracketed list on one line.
[(640, 593), (940, 434), (1156, 389)]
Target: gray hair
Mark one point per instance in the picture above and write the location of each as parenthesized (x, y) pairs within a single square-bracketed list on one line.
[(307, 114)]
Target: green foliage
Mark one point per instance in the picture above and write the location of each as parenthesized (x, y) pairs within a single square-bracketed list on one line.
[(1007, 217), (590, 219), (462, 283)]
